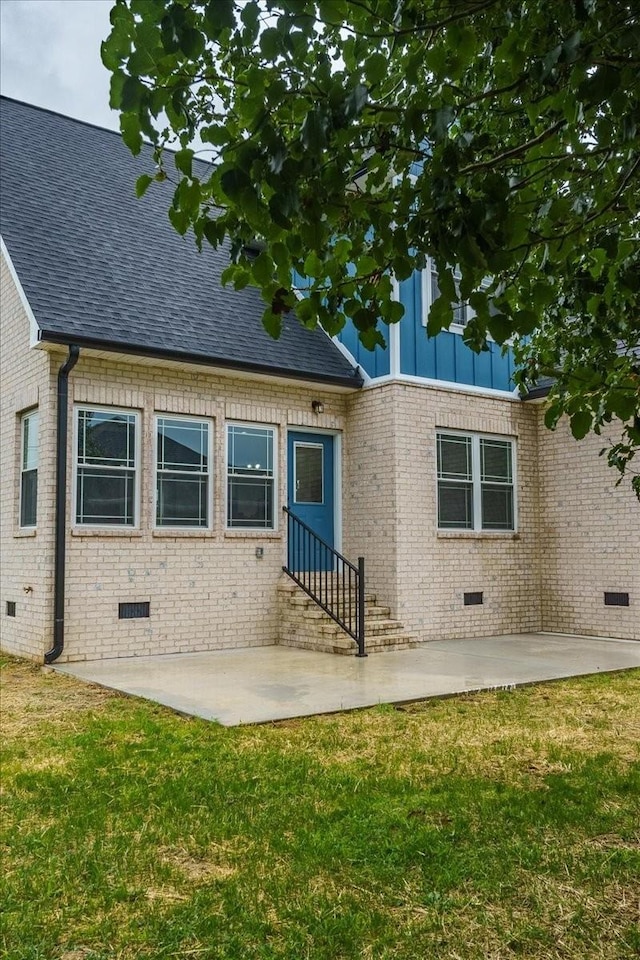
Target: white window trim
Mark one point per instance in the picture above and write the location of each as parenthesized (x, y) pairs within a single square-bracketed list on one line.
[(427, 302), (24, 417), (476, 481), (210, 473), (238, 531), (137, 470)]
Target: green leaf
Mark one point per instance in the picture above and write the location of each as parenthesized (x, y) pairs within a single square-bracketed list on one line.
[(219, 15), (356, 101), (235, 182), (133, 93), (214, 232), (263, 269), (179, 220), (272, 323), (552, 415), (313, 132), (142, 184), (216, 134), (271, 43), (581, 422), (115, 89), (130, 129), (313, 266), (376, 68), (183, 161)]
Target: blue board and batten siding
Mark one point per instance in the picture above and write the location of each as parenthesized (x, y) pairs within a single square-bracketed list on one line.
[(374, 362), (445, 357)]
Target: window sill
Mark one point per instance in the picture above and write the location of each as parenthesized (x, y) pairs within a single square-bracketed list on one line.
[(236, 534), (179, 533), (104, 532), (478, 535), (26, 532)]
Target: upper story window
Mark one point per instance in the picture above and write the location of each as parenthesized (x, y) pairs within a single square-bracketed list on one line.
[(463, 312), (107, 465), (476, 486), (29, 469), (251, 477), (183, 472)]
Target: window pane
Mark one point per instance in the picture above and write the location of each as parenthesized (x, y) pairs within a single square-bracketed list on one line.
[(28, 498), (435, 289), (183, 445), (308, 467), (182, 501), (250, 502), (30, 441), (460, 313), (454, 456), (105, 497), (106, 439), (455, 505), (497, 507), (460, 308), (250, 450), (495, 460)]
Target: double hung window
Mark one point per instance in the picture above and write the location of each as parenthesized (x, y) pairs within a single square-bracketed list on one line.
[(463, 312), (476, 489), (106, 467), (183, 469), (29, 469), (250, 477)]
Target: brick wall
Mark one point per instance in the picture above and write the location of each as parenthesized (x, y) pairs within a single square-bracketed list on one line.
[(370, 489), (589, 538), (26, 570), (577, 536), (207, 590), (392, 511)]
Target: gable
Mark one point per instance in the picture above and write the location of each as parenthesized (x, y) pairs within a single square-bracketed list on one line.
[(101, 268)]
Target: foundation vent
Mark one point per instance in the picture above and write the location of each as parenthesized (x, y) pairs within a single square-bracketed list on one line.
[(473, 599), (11, 608), (616, 599), (133, 611)]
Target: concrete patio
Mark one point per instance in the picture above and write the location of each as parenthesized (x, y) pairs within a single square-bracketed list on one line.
[(262, 684)]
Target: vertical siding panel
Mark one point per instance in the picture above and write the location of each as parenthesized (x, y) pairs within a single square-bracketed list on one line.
[(464, 361), (482, 368), (445, 356), (501, 368)]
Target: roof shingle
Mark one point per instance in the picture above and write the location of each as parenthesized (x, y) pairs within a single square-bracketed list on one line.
[(101, 268)]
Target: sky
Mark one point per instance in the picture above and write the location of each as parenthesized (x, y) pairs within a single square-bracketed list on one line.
[(50, 56)]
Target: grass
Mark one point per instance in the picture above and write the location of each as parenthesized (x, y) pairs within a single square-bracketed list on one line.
[(497, 825)]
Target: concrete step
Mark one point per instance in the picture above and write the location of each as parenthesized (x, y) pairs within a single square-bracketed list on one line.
[(375, 628), (306, 625)]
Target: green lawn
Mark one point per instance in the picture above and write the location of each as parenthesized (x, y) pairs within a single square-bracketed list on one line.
[(498, 825)]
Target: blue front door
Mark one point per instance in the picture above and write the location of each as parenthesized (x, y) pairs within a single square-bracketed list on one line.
[(311, 497)]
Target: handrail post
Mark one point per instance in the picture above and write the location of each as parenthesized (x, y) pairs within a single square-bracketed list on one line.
[(361, 652)]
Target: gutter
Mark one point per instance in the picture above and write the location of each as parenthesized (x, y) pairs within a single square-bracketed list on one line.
[(354, 380), (61, 504)]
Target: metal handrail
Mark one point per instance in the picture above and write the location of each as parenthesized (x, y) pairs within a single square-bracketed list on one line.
[(334, 583)]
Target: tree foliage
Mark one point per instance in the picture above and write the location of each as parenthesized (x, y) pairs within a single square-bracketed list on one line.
[(356, 138)]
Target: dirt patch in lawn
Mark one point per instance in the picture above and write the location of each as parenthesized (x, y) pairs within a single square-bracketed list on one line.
[(32, 695)]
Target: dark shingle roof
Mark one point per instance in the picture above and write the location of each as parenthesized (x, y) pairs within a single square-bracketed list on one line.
[(101, 268)]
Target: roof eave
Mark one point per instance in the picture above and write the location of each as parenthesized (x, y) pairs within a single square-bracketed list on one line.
[(49, 336), (537, 393)]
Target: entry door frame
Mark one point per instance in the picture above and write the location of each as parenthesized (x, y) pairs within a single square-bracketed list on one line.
[(337, 476)]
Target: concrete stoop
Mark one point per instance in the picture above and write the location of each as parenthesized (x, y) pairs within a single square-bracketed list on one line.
[(303, 624)]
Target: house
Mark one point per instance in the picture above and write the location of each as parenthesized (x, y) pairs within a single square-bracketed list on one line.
[(153, 435)]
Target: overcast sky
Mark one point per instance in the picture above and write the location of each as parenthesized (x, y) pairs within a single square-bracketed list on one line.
[(50, 56)]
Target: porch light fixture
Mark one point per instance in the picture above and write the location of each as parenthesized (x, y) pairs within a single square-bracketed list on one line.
[(317, 406)]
